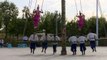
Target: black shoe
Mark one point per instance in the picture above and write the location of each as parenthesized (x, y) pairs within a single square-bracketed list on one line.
[(73, 53), (30, 51), (92, 50), (33, 52), (84, 52), (95, 49), (44, 51)]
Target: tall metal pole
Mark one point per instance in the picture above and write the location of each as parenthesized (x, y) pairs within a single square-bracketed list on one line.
[(97, 20), (63, 51), (56, 25), (55, 22)]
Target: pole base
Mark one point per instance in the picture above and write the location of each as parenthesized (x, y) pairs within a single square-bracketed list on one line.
[(64, 52)]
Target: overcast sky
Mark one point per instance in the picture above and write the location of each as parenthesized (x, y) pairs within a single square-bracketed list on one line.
[(88, 6)]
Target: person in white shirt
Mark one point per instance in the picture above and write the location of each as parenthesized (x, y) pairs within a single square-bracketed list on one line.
[(44, 43), (25, 38), (73, 41), (81, 40), (54, 44), (92, 37), (33, 39)]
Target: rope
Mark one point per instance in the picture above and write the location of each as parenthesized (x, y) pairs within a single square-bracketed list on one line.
[(102, 16), (100, 9), (42, 5), (76, 6), (30, 4), (35, 3), (81, 6)]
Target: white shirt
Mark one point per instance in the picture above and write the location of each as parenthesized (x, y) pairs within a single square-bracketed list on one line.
[(92, 36), (56, 37), (82, 39), (33, 37), (73, 39), (25, 38), (48, 37), (43, 38)]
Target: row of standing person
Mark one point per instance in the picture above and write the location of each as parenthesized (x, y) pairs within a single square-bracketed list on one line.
[(92, 37), (33, 39)]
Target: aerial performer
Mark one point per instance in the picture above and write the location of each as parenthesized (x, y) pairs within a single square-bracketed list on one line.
[(81, 18), (36, 17)]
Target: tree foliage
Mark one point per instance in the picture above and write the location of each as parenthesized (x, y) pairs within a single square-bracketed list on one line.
[(8, 12), (19, 26)]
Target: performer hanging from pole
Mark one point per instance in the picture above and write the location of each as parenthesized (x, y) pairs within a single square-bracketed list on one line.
[(36, 17), (81, 18)]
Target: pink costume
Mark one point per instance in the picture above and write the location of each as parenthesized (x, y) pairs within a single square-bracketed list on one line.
[(80, 21), (36, 17)]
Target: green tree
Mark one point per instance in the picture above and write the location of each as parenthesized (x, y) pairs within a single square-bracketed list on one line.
[(48, 22), (9, 12), (102, 24), (102, 27), (72, 27)]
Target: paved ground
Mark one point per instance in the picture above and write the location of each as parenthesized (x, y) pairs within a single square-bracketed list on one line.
[(24, 54)]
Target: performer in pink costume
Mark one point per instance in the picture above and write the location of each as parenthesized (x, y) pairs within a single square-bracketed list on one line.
[(36, 17), (81, 19)]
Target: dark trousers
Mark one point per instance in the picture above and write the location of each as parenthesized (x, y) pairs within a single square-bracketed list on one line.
[(93, 44), (54, 48), (44, 45), (74, 47), (82, 47), (1, 44), (32, 45)]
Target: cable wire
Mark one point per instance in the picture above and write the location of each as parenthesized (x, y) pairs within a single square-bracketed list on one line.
[(76, 6), (81, 6), (42, 5)]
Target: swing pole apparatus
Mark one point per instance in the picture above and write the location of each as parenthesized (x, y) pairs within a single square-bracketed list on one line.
[(97, 20)]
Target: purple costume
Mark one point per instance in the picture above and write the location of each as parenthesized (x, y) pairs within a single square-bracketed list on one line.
[(36, 17), (80, 21)]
